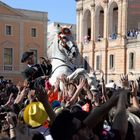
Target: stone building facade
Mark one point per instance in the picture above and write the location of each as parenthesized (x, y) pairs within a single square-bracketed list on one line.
[(108, 36), (20, 31)]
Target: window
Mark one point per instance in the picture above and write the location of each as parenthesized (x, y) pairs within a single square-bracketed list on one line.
[(89, 33), (111, 61), (98, 62), (35, 54), (8, 58), (131, 60), (86, 63), (33, 32), (8, 30)]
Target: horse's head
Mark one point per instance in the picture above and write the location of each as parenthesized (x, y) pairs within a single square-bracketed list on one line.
[(66, 43)]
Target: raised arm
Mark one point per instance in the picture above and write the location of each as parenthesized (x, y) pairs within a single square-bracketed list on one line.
[(98, 113), (120, 119), (105, 97), (43, 97), (134, 95)]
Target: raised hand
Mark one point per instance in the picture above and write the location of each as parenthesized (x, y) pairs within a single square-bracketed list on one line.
[(10, 100), (82, 83), (102, 75), (134, 88), (86, 86), (64, 79), (41, 94), (124, 80), (11, 119), (138, 82)]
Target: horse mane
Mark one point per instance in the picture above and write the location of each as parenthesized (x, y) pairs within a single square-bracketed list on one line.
[(50, 40)]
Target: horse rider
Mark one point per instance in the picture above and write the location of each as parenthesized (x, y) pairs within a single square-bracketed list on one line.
[(34, 71)]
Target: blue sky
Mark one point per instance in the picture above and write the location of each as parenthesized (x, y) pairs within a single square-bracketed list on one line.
[(58, 10)]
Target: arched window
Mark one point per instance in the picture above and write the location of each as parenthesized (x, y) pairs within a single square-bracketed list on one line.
[(113, 21), (87, 26), (99, 23), (131, 60)]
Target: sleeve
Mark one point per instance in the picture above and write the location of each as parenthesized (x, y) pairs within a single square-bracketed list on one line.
[(28, 74)]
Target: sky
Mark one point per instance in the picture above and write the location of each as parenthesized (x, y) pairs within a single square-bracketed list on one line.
[(58, 10)]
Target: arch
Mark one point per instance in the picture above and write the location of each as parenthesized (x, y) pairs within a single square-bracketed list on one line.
[(113, 20), (99, 23), (87, 25)]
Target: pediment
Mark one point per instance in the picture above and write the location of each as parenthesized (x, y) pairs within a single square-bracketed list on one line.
[(7, 10), (7, 43), (33, 45)]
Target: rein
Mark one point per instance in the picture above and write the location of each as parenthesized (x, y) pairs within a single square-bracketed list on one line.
[(58, 59), (61, 66)]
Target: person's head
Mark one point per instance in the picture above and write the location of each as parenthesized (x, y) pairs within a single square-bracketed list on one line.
[(75, 108), (37, 136), (69, 126), (28, 58), (1, 77)]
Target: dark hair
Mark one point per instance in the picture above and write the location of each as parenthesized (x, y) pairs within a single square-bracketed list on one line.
[(63, 128), (130, 132), (80, 115), (37, 136), (75, 108)]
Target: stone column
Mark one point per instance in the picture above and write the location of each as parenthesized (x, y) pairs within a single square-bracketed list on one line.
[(45, 25), (106, 34), (79, 32), (93, 33), (105, 22), (81, 26), (92, 22), (77, 23), (110, 19), (119, 19), (124, 31), (124, 18), (21, 43)]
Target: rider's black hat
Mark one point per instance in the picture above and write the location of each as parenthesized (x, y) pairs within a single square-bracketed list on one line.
[(25, 56)]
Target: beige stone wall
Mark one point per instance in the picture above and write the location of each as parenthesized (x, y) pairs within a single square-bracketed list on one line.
[(21, 22), (120, 47)]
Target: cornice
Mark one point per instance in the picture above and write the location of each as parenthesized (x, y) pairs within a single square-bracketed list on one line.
[(11, 9), (77, 0)]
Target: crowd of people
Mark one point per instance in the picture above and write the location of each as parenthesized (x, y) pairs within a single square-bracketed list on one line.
[(133, 33), (38, 110)]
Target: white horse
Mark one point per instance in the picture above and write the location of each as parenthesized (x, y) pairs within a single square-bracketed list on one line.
[(63, 53)]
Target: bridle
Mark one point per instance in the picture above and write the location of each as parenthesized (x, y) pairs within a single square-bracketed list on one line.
[(63, 44)]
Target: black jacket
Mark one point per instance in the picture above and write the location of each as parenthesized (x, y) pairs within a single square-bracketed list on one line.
[(35, 71)]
